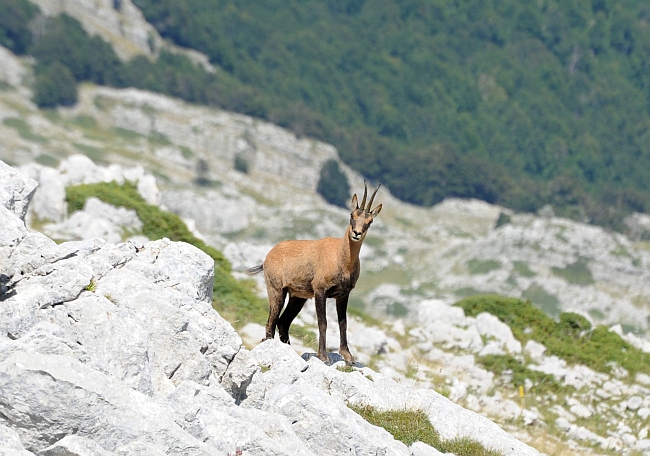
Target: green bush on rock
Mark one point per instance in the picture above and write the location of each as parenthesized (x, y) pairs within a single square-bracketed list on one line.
[(572, 338)]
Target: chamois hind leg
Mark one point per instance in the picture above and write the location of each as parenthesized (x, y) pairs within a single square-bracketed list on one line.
[(294, 306), (341, 311), (321, 315), (276, 302)]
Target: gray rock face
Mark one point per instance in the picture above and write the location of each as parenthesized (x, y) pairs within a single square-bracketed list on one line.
[(106, 349), (10, 444), (74, 445), (16, 190), (49, 202)]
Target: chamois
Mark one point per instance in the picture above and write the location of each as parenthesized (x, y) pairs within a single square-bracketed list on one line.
[(319, 269)]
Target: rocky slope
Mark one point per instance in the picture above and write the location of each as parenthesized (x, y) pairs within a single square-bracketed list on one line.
[(440, 352), (416, 261), (115, 349)]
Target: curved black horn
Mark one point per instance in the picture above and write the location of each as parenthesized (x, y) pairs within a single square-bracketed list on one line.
[(373, 197), (365, 194)]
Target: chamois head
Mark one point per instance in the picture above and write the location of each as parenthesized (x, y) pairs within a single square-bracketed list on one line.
[(361, 217)]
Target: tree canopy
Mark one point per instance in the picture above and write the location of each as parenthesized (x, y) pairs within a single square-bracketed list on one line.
[(517, 103)]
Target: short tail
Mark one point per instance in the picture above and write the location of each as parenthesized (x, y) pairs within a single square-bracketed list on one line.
[(255, 269)]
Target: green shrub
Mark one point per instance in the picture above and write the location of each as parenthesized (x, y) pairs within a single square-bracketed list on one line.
[(572, 338), (500, 364), (63, 41), (54, 85), (333, 184), (15, 16), (241, 164)]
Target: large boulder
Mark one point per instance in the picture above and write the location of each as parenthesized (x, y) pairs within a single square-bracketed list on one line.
[(16, 190), (48, 204)]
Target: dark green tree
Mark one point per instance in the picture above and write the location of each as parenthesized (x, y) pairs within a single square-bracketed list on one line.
[(333, 185), (88, 58), (54, 86), (14, 24)]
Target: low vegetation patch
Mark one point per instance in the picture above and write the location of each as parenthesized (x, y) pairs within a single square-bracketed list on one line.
[(546, 301), (502, 364), (478, 267), (577, 273), (410, 426), (92, 286), (572, 338), (235, 300), (522, 269)]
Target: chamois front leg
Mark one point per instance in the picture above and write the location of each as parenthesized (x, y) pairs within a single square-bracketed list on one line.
[(341, 311), (321, 315), (276, 302), (294, 306)]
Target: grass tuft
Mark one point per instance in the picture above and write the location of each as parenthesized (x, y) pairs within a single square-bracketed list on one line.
[(410, 426), (92, 286)]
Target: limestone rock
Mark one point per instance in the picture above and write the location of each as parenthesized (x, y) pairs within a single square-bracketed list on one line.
[(491, 327), (449, 419), (446, 324), (45, 287), (10, 444), (48, 203), (634, 403), (535, 350), (16, 190), (74, 445), (210, 415), (422, 449), (12, 232), (315, 417), (239, 375), (97, 220), (45, 396)]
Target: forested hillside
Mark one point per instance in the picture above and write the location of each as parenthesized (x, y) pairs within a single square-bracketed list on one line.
[(517, 103)]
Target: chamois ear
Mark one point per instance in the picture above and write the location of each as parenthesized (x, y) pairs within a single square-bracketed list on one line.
[(376, 211), (355, 203)]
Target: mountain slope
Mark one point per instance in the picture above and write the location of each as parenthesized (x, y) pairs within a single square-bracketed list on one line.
[(416, 261), (515, 104)]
